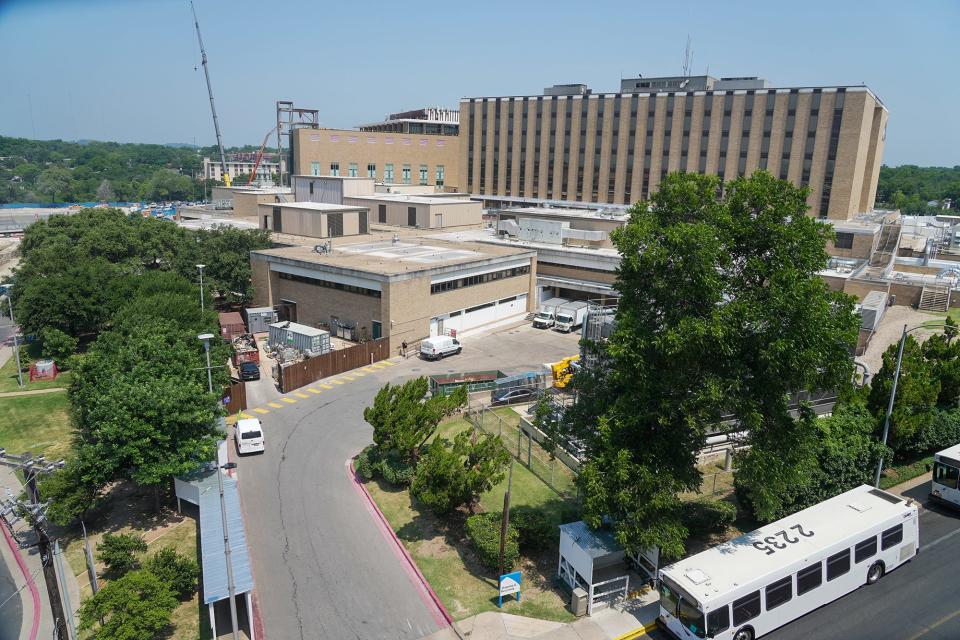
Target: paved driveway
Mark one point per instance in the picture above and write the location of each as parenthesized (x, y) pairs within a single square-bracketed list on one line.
[(322, 567)]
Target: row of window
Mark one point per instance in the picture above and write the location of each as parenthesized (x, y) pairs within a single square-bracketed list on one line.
[(781, 591), (946, 475), (388, 172), (349, 288), (469, 281)]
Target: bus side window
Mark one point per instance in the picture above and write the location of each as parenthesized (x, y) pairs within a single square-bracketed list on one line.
[(746, 608), (892, 536), (779, 592), (838, 564), (718, 620), (809, 579), (865, 549)]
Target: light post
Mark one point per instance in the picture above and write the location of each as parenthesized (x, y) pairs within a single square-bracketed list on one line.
[(231, 588), (200, 267), (893, 395), (16, 334)]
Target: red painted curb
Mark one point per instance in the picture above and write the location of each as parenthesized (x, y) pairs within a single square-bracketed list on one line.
[(34, 593), (439, 612)]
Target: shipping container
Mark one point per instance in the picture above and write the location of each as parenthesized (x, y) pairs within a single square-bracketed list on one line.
[(309, 340), (872, 309), (231, 324), (259, 319)]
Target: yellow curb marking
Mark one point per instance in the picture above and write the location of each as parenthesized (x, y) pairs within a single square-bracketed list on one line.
[(358, 374), (337, 381), (326, 386), (369, 369), (288, 400), (647, 628), (312, 390), (261, 411), (387, 363), (301, 395), (275, 405), (244, 415)]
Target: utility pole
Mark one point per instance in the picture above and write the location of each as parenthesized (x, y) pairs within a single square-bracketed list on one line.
[(893, 395), (31, 467), (200, 267), (213, 108), (16, 333), (506, 519)]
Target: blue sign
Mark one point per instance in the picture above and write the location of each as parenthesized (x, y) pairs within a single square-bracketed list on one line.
[(509, 583)]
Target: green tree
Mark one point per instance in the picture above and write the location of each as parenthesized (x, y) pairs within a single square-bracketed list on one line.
[(138, 606), (57, 345), (917, 392), (55, 182), (403, 420), (722, 312), (121, 552), (451, 474), (168, 185), (944, 355), (177, 571), (70, 492)]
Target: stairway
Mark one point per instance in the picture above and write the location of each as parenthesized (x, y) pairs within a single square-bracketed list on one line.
[(935, 297), (885, 251)]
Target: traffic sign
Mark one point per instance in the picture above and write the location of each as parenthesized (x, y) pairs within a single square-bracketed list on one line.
[(509, 583)]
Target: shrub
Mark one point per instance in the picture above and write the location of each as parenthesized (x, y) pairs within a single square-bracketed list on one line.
[(483, 530), (367, 463), (395, 470), (138, 605), (178, 572), (942, 431), (57, 345), (708, 515), (536, 531), (119, 552)]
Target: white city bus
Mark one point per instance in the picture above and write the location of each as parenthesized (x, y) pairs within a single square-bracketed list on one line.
[(751, 585), (945, 486)]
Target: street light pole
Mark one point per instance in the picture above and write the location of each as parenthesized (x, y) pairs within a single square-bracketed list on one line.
[(206, 337), (16, 335), (893, 395), (200, 267)]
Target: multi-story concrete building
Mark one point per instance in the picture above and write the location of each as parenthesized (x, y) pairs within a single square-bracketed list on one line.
[(241, 164), (616, 147), (389, 157), (406, 287)]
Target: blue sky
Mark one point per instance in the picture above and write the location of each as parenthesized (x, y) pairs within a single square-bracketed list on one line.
[(124, 69)]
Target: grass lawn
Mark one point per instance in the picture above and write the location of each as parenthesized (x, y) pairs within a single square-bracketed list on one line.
[(39, 424), (443, 553), (8, 379)]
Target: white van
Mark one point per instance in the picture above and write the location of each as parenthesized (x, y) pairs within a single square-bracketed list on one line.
[(436, 347), (248, 435)]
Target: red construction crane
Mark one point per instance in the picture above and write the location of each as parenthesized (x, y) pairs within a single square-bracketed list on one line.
[(256, 165)]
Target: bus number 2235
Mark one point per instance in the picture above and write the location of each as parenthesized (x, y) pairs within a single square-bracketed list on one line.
[(770, 544)]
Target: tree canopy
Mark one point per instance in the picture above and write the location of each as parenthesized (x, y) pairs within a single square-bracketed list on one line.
[(722, 316)]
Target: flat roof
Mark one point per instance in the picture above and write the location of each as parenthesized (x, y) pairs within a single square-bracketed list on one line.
[(489, 236), (952, 452), (716, 572), (413, 198), (259, 190), (378, 254), (618, 216), (314, 206), (307, 175), (596, 544), (212, 547)]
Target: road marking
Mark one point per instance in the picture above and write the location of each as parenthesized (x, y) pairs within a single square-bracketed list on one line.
[(387, 363), (244, 415), (358, 374), (326, 386), (301, 395), (369, 369), (261, 411), (337, 381), (936, 624), (312, 390), (940, 539), (379, 365), (288, 400), (347, 377), (275, 405)]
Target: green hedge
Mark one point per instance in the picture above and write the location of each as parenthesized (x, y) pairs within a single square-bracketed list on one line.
[(483, 530), (897, 474), (705, 515), (536, 531)]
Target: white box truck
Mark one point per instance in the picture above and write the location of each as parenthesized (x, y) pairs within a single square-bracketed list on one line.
[(546, 314), (570, 316)]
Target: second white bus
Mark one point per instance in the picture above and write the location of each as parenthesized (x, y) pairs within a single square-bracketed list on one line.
[(751, 585), (945, 485)]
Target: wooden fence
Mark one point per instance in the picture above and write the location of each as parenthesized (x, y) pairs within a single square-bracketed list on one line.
[(235, 397), (310, 370)]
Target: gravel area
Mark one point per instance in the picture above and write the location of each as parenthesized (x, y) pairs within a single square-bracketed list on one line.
[(890, 329)]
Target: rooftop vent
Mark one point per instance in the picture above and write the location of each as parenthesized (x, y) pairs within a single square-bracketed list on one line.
[(696, 576)]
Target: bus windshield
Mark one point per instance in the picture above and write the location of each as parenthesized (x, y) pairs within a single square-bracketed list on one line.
[(669, 599), (692, 618)]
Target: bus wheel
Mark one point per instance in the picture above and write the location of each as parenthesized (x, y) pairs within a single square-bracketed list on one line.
[(744, 634), (875, 572)]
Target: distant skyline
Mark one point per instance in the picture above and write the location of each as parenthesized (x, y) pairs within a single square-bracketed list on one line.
[(130, 71)]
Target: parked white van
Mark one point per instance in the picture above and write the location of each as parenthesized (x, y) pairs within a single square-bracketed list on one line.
[(436, 347), (248, 435)]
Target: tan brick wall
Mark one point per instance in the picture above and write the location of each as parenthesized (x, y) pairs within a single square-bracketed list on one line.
[(548, 269), (260, 276), (860, 288), (316, 305), (453, 214), (439, 150), (862, 247)]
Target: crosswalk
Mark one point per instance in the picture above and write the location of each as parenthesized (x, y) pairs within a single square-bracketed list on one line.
[(317, 388)]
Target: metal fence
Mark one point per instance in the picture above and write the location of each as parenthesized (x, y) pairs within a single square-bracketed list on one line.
[(523, 442)]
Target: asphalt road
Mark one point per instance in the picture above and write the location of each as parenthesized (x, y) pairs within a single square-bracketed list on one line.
[(322, 568)]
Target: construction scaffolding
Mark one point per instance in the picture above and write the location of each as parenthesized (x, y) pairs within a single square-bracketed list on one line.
[(289, 119)]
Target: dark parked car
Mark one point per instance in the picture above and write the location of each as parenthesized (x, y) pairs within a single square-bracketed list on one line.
[(249, 371), (514, 395)]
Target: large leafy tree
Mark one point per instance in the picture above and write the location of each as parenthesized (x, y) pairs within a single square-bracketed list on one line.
[(721, 313), (917, 391), (451, 474), (137, 606)]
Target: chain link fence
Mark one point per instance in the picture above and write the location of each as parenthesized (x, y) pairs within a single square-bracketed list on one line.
[(522, 439)]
